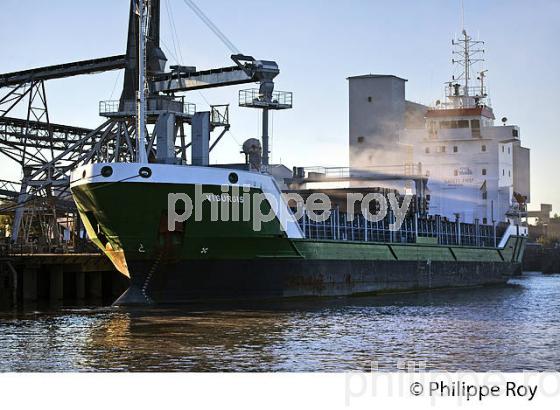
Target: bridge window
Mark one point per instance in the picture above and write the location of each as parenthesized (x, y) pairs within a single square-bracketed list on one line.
[(475, 125), (454, 124)]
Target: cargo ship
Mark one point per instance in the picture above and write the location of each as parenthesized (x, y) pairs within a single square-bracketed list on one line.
[(126, 194), (124, 208)]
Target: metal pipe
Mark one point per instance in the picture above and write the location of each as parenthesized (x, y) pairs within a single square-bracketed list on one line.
[(265, 137), (141, 108), (493, 222), (416, 226)]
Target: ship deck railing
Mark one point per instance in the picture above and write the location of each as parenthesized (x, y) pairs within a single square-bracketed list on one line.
[(341, 226)]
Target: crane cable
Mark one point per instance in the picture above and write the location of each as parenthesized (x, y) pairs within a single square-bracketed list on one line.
[(178, 56), (223, 38), (192, 5), (174, 36)]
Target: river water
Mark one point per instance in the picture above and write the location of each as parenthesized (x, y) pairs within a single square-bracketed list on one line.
[(508, 328)]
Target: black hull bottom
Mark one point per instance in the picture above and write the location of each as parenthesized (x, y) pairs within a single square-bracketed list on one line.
[(189, 281)]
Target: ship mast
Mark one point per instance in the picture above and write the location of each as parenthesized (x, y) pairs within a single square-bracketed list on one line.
[(141, 101), (467, 53)]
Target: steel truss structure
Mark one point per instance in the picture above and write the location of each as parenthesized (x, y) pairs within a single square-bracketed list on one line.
[(46, 152)]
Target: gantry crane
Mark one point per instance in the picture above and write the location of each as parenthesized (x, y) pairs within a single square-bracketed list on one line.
[(47, 151)]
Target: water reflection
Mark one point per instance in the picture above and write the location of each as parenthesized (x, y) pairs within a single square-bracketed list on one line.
[(508, 328)]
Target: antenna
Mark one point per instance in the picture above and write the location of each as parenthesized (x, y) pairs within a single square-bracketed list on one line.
[(463, 15), (467, 52), (481, 77)]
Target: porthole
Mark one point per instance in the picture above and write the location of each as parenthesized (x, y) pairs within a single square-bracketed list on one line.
[(107, 171), (145, 172), (233, 178), (84, 174)]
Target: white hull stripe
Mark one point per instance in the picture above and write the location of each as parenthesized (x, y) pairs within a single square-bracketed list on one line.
[(186, 174)]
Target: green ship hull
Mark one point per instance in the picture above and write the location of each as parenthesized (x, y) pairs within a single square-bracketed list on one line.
[(229, 259)]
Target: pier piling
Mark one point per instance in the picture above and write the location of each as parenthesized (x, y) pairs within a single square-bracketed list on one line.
[(95, 285), (30, 283), (59, 278), (80, 285), (56, 286)]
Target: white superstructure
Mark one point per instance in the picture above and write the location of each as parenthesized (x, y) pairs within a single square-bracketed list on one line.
[(476, 169)]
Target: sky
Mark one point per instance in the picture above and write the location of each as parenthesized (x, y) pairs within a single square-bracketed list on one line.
[(317, 45)]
